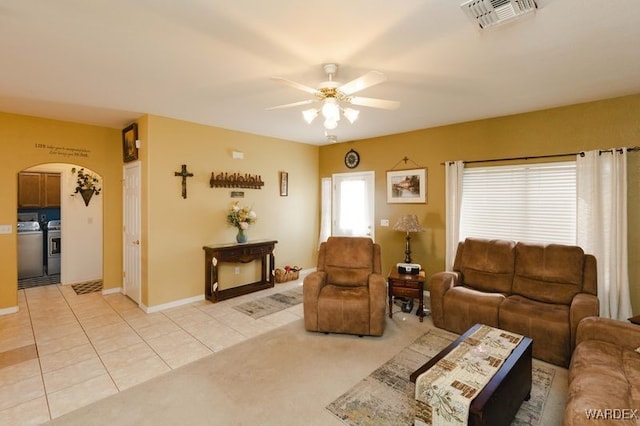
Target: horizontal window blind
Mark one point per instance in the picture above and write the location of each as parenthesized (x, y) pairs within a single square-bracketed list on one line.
[(529, 203)]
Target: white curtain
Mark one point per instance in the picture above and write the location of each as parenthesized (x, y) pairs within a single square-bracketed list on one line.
[(453, 191), (602, 225), (325, 210)]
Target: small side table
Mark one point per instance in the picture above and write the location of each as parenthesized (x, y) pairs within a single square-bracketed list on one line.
[(406, 285), (635, 320)]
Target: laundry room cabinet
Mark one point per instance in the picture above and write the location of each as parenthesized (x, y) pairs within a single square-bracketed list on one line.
[(38, 190)]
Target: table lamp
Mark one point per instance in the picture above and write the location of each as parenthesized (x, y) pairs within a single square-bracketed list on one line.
[(408, 223)]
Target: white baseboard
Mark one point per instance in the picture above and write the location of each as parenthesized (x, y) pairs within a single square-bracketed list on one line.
[(8, 311), (174, 304), (112, 290)]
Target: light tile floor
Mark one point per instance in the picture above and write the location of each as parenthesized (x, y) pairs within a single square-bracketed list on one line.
[(62, 351)]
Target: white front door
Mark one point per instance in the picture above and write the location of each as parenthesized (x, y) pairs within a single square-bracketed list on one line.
[(353, 204), (131, 239)]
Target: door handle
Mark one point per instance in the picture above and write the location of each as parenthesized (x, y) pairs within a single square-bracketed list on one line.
[(136, 242)]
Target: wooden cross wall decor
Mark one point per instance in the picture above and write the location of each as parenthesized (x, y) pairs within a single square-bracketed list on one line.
[(184, 175)]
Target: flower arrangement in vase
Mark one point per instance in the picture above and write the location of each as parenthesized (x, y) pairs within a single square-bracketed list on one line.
[(87, 184), (241, 218)]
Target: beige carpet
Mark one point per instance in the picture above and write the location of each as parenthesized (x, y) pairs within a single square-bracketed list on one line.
[(284, 377), (386, 396)]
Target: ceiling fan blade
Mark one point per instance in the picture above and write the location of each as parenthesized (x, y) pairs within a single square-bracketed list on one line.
[(294, 104), (367, 80), (374, 103), (296, 85)]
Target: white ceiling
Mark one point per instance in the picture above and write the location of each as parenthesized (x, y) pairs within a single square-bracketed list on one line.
[(107, 62)]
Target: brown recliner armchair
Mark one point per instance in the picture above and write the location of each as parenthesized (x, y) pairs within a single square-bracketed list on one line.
[(347, 293)]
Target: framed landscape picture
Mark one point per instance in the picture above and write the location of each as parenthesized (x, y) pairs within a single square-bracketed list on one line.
[(407, 186), (129, 138)]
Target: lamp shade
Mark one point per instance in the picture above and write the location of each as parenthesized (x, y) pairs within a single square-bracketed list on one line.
[(408, 223), (309, 115), (351, 114)]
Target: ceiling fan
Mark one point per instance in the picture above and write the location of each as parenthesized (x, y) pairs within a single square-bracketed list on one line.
[(333, 95)]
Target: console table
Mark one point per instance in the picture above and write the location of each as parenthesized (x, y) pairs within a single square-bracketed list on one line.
[(244, 253)]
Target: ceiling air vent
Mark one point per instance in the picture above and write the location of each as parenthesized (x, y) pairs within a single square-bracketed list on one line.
[(492, 12)]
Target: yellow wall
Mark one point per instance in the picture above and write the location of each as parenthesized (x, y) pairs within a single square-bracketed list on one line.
[(176, 229), (28, 141), (603, 124)]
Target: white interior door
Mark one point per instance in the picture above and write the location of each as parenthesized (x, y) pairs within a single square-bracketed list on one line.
[(132, 218), (353, 204)]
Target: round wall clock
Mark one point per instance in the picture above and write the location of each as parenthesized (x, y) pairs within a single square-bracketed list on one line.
[(352, 159)]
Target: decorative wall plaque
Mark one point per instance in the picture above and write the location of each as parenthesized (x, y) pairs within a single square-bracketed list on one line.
[(236, 180)]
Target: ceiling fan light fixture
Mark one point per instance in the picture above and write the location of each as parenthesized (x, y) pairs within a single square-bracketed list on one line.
[(330, 124), (310, 114), (351, 114), (331, 109), (333, 96)]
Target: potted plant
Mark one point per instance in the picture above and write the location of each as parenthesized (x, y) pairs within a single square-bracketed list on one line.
[(87, 184)]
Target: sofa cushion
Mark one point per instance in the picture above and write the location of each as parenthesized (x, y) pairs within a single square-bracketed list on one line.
[(344, 309), (348, 261), (546, 323), (465, 307), (548, 273), (602, 376), (487, 265)]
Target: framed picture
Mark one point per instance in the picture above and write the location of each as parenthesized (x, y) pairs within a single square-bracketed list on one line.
[(129, 138), (407, 186), (284, 184)]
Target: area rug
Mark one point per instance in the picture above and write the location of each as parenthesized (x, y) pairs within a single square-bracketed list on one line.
[(386, 396), (87, 287), (271, 304)]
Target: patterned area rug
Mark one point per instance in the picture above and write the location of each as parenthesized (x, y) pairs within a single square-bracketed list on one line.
[(386, 396), (271, 304), (87, 287)]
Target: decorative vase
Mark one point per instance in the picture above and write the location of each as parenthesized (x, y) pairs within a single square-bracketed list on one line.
[(86, 195), (241, 237)]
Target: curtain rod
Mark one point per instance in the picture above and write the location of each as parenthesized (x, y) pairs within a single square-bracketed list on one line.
[(535, 157)]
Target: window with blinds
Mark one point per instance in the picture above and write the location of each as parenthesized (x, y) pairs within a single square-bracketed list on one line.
[(529, 203)]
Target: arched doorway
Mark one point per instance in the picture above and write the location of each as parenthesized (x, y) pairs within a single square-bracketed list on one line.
[(72, 253)]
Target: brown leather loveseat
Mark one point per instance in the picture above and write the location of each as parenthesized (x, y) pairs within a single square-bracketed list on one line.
[(540, 291)]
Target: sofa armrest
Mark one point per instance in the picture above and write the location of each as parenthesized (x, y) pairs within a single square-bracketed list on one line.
[(311, 286), (313, 283), (583, 305), (377, 304), (609, 330), (439, 284), (378, 285)]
